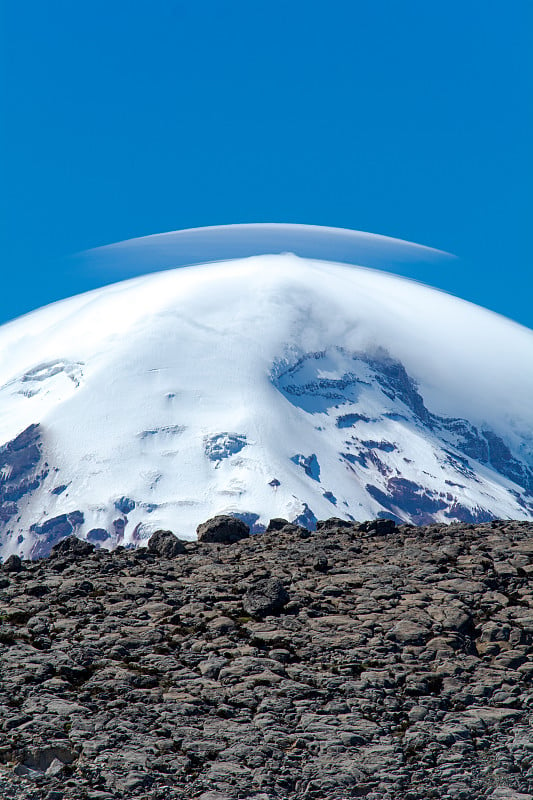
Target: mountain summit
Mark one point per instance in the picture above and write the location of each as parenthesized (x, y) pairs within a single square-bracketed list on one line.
[(266, 386)]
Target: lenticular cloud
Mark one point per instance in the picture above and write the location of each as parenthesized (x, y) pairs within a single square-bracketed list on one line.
[(225, 242)]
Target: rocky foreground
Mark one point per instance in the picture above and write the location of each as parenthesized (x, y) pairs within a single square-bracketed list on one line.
[(355, 661)]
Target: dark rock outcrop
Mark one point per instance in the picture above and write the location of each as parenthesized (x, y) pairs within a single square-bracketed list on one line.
[(12, 564), (459, 445), (72, 547), (223, 529), (165, 544), (125, 505), (334, 523), (53, 530), (276, 524), (20, 470), (382, 527), (98, 535)]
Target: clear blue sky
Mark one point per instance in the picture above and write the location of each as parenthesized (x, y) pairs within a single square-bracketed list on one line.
[(412, 119)]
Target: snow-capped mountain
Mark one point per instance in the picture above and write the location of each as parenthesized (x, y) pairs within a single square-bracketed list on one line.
[(266, 386)]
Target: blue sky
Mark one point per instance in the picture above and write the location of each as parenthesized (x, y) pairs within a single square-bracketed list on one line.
[(411, 119)]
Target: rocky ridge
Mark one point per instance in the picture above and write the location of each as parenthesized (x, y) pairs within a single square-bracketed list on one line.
[(358, 660)]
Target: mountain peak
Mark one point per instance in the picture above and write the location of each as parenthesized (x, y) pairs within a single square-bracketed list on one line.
[(267, 386)]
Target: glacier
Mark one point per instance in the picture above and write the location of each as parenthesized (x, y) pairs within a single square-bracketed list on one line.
[(267, 386)]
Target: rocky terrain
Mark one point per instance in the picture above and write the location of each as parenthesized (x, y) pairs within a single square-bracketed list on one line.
[(358, 660)]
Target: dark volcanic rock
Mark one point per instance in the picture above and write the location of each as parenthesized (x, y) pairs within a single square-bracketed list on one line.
[(164, 543), (98, 535), (12, 564), (22, 453), (53, 530), (265, 597), (400, 667), (125, 505), (276, 524), (223, 529), (72, 546), (20, 470), (333, 523), (309, 464), (378, 526)]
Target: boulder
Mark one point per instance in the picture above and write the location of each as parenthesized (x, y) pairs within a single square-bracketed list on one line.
[(223, 529), (276, 524), (265, 597), (333, 523), (72, 546), (12, 564), (321, 563), (381, 527), (165, 544)]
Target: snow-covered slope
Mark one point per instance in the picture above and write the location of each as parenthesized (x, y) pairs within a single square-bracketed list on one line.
[(266, 386)]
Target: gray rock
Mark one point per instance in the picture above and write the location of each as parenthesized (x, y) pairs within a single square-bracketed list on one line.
[(72, 546), (381, 527), (276, 524), (12, 564), (165, 544), (55, 769), (334, 523), (265, 597), (222, 529), (321, 563)]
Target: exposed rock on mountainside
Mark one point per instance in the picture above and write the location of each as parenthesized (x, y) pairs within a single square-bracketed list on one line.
[(20, 472), (363, 660)]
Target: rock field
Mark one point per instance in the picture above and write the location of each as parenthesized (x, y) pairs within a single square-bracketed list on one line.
[(359, 660)]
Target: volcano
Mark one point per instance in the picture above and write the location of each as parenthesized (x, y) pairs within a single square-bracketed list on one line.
[(268, 386)]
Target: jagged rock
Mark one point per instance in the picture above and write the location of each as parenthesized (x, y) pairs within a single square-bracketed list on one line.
[(281, 526), (125, 505), (334, 523), (309, 464), (382, 527), (12, 564), (72, 546), (55, 769), (119, 526), (165, 544), (265, 597), (76, 518), (276, 524), (53, 530), (216, 796), (42, 756), (223, 529), (22, 453)]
